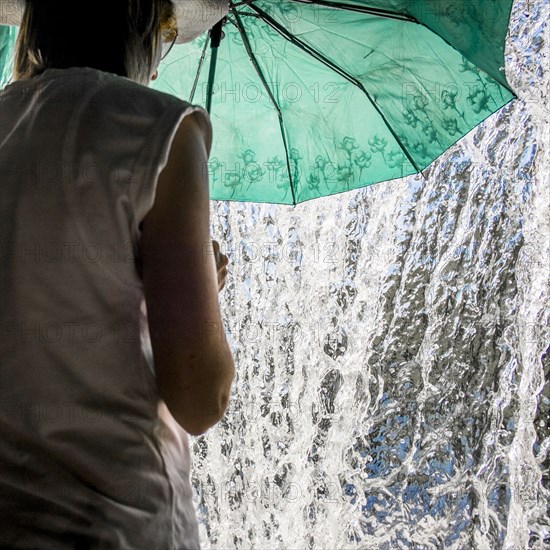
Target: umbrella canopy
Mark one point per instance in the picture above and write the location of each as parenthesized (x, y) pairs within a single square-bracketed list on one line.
[(314, 98)]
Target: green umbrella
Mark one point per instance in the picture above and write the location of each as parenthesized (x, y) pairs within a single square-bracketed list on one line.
[(313, 98)]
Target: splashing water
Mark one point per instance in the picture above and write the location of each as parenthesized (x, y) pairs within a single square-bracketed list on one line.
[(391, 346)]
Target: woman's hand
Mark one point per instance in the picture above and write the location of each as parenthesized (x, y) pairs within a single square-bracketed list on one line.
[(221, 264)]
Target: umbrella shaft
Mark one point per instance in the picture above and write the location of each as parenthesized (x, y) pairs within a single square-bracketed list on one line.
[(211, 79), (215, 36)]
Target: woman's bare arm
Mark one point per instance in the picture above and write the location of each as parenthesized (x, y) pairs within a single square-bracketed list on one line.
[(193, 362)]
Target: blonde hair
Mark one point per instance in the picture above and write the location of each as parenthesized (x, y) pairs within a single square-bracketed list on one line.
[(117, 36)]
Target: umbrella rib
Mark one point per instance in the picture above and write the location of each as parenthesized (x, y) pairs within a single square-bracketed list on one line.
[(236, 4), (199, 68), (361, 9), (343, 6), (320, 57), (254, 61)]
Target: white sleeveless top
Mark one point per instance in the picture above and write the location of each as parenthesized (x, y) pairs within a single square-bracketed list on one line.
[(90, 457)]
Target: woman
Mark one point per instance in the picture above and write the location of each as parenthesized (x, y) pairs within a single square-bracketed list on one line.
[(106, 252)]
